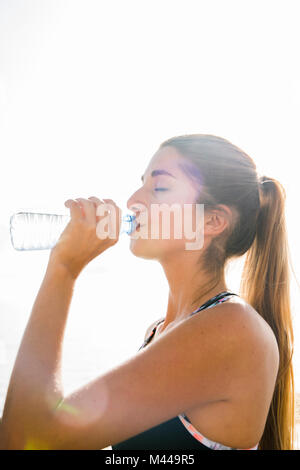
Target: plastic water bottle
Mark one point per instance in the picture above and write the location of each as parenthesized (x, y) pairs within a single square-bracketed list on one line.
[(36, 231)]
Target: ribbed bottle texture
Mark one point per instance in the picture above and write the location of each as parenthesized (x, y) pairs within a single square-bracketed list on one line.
[(36, 231)]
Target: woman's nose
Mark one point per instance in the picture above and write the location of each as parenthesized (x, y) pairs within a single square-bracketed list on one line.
[(131, 201), (130, 204), (135, 205)]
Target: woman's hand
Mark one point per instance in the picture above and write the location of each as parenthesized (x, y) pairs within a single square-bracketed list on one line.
[(88, 234)]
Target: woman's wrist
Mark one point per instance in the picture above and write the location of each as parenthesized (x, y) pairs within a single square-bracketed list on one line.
[(57, 267)]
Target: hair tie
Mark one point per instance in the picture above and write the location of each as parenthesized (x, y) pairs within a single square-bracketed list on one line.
[(265, 181)]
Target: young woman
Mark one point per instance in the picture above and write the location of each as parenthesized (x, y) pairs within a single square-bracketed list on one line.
[(215, 372)]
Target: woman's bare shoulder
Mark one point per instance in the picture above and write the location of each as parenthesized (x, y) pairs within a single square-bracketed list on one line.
[(260, 326)]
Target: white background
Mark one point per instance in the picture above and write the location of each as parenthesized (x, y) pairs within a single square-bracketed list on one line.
[(88, 91)]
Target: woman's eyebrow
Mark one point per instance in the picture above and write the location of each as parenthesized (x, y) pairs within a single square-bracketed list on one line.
[(158, 172)]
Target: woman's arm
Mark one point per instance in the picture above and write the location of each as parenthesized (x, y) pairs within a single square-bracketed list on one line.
[(35, 387), (35, 384), (202, 359)]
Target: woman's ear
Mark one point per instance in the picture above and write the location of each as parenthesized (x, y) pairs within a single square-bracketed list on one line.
[(216, 220)]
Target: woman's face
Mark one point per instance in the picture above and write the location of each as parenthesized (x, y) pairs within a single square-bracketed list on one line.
[(163, 184)]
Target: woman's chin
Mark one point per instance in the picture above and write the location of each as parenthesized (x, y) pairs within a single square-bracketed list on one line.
[(140, 248)]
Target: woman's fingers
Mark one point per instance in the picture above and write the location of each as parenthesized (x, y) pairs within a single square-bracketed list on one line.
[(96, 200), (75, 210), (110, 201), (89, 210), (84, 238), (106, 202), (117, 211)]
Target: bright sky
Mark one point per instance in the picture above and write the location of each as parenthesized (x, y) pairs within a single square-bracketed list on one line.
[(88, 91)]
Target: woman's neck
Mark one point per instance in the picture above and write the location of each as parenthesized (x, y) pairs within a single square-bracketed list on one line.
[(185, 281)]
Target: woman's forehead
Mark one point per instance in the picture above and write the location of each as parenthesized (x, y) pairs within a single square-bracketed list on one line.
[(166, 158)]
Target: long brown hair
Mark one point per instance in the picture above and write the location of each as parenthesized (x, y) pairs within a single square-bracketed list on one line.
[(227, 175)]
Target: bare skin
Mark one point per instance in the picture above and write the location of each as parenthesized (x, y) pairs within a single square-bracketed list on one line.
[(248, 402), (218, 367)]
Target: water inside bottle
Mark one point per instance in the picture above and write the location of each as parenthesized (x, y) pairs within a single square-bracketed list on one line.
[(38, 231)]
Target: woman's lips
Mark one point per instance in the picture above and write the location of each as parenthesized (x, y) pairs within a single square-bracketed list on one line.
[(138, 226)]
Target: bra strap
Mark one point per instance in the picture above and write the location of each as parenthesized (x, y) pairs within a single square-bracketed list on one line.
[(205, 305), (213, 299)]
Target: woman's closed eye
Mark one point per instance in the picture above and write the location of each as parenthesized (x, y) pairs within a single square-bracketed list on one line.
[(160, 189)]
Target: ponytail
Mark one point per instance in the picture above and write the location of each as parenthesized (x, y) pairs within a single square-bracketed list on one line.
[(265, 285)]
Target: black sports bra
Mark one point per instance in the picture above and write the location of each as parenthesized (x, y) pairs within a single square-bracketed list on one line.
[(178, 432)]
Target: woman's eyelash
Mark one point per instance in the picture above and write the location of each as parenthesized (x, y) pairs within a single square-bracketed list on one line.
[(160, 189)]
